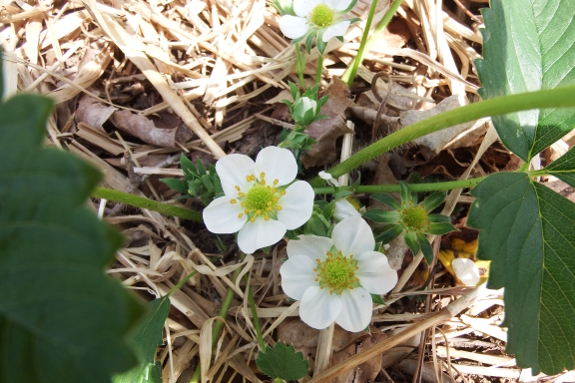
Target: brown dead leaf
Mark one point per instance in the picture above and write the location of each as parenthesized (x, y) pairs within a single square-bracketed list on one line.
[(366, 371), (164, 130), (93, 113), (327, 131)]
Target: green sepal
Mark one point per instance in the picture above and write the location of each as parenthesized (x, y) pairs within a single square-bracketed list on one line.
[(376, 298), (187, 166), (387, 200), (405, 193), (426, 248), (308, 42), (411, 241), (389, 235), (350, 7), (434, 200), (319, 43), (440, 228), (329, 210), (438, 218), (382, 216)]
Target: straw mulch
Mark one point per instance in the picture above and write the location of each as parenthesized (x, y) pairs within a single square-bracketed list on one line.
[(137, 83)]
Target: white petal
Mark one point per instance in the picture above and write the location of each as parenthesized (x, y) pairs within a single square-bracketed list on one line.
[(303, 8), (339, 5), (356, 310), (466, 271), (222, 217), (293, 27), (297, 275), (344, 209), (328, 177), (311, 246), (308, 104), (338, 29), (297, 205), (277, 164), (353, 236), (232, 170), (319, 308), (260, 233), (374, 273)]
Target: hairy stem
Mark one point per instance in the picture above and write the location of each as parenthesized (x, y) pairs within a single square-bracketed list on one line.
[(146, 203), (552, 98), (427, 187), (256, 320)]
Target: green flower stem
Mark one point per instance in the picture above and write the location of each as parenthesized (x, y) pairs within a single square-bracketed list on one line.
[(255, 319), (427, 187), (349, 74), (300, 64), (351, 71), (319, 68), (219, 326), (552, 98), (146, 203)]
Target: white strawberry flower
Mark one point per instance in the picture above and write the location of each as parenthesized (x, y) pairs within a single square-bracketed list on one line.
[(261, 200), (333, 277), (320, 16)]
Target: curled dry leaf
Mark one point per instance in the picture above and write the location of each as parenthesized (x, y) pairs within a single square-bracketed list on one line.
[(327, 131), (93, 113), (163, 131)]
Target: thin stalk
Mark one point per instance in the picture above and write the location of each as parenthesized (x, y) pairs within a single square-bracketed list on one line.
[(218, 326), (146, 203), (300, 64), (256, 320), (349, 74), (552, 98), (319, 68), (427, 187)]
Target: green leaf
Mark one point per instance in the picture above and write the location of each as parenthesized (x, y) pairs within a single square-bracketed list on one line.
[(61, 318), (527, 232), (282, 362), (528, 46), (564, 167), (188, 167), (175, 184), (145, 339)]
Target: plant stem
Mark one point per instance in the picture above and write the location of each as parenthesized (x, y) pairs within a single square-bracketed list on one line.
[(435, 186), (256, 320), (300, 64), (349, 74), (319, 68), (146, 203), (218, 326), (552, 98)]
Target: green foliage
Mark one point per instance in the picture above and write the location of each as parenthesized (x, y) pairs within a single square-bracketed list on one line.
[(61, 318), (528, 46), (198, 181), (145, 338), (527, 232), (282, 362)]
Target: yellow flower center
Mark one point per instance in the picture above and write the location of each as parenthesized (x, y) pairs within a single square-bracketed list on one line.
[(260, 200), (337, 272), (321, 15), (414, 217)]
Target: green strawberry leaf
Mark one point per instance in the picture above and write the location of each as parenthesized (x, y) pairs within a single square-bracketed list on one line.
[(527, 233), (562, 168), (282, 362), (528, 46), (61, 318), (145, 339)]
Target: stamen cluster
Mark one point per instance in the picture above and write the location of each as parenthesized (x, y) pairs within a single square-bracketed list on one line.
[(260, 200), (337, 272)]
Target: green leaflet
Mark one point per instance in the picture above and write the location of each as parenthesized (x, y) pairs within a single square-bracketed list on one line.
[(527, 232), (282, 362), (61, 318), (528, 46), (145, 339)]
